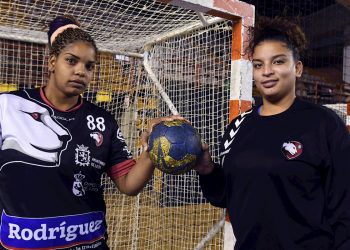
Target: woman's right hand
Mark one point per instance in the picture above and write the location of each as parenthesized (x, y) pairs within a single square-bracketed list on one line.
[(204, 165)]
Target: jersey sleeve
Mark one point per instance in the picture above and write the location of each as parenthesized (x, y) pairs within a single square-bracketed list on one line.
[(213, 187), (337, 182), (120, 157), (214, 184)]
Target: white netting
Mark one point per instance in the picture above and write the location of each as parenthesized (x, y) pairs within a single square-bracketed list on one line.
[(124, 25), (340, 109), (194, 70)]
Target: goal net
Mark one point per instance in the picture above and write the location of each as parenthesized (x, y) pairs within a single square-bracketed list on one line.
[(141, 42)]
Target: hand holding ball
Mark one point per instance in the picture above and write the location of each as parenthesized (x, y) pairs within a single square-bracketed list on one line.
[(174, 147)]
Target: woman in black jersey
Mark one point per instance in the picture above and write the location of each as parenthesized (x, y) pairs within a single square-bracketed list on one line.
[(284, 166), (55, 146)]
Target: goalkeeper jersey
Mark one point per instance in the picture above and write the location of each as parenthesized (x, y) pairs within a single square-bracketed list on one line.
[(51, 163), (284, 179)]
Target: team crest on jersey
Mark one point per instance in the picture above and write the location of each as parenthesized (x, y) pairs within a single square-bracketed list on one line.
[(78, 188), (98, 137), (82, 156), (292, 149)]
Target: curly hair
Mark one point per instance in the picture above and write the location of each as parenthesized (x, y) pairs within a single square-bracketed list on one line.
[(278, 29), (68, 36)]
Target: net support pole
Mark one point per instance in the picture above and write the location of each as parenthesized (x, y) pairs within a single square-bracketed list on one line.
[(212, 232), (158, 85), (202, 18)]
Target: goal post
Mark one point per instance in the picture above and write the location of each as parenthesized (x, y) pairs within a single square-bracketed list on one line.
[(193, 50)]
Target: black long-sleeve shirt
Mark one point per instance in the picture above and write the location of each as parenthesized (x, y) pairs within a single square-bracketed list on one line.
[(285, 179)]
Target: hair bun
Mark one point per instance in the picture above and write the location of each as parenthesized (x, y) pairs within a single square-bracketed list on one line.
[(59, 22)]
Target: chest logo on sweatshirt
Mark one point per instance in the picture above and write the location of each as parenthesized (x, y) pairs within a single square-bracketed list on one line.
[(292, 149)]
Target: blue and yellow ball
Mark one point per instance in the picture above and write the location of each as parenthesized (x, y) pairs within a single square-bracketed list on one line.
[(174, 147)]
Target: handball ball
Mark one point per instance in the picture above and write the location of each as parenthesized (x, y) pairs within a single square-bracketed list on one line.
[(174, 147)]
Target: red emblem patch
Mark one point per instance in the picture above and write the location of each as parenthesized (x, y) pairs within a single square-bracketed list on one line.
[(292, 149), (98, 137)]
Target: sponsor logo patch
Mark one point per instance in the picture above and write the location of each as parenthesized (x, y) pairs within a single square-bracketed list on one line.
[(96, 163), (52, 232)]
